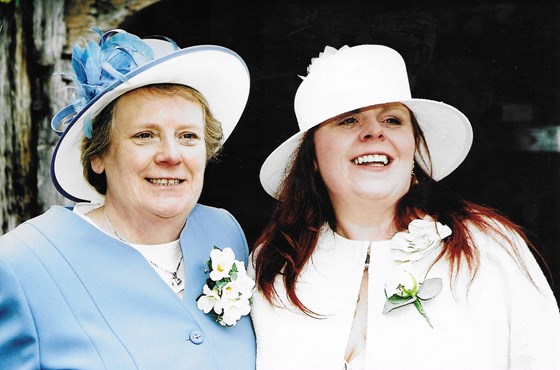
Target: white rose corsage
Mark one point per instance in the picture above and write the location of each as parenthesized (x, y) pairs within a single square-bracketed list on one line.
[(423, 235), (403, 287), (228, 292)]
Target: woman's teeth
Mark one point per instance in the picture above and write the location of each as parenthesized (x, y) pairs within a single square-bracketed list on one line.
[(165, 182), (375, 159)]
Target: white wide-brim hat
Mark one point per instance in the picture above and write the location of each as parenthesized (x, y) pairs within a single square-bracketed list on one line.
[(340, 81), (218, 73)]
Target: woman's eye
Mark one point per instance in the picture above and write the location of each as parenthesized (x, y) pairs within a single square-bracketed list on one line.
[(189, 135), (348, 121), (393, 121), (144, 135)]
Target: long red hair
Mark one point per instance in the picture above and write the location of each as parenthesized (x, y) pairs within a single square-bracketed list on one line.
[(303, 207)]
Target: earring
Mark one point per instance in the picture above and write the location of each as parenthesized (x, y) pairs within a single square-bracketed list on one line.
[(413, 178)]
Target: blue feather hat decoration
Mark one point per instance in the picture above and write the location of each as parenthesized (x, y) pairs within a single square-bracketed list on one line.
[(100, 64), (120, 62)]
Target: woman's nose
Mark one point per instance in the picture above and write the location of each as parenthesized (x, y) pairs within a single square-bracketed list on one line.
[(168, 152), (372, 129)]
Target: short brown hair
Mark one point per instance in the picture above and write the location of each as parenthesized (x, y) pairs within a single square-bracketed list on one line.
[(102, 128)]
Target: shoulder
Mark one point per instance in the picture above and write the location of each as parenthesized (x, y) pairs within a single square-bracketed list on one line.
[(503, 252), (494, 239), (201, 211), (29, 232), (42, 229), (510, 276), (217, 224), (499, 242), (57, 217), (216, 219)]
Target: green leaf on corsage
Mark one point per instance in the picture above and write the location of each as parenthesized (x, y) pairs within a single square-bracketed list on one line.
[(403, 289)]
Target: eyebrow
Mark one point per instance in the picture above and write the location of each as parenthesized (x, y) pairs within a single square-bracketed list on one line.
[(388, 107), (354, 111), (393, 108)]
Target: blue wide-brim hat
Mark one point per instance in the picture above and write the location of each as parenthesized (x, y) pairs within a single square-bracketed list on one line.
[(121, 62)]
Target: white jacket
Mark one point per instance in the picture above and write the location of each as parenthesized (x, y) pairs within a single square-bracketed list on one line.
[(499, 321)]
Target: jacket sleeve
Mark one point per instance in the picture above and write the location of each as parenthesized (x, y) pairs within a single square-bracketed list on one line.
[(18, 336), (534, 319)]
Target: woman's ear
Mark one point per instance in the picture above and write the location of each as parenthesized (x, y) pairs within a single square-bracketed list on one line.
[(97, 165)]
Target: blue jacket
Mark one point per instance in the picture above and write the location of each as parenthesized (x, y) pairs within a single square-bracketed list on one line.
[(72, 297)]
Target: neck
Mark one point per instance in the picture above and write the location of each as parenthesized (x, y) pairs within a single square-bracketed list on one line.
[(137, 230), (365, 222)]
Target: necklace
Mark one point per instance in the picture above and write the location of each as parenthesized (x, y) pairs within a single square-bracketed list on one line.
[(175, 280), (112, 228)]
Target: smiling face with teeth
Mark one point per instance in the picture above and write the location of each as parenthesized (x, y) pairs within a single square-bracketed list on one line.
[(366, 155), (157, 155)]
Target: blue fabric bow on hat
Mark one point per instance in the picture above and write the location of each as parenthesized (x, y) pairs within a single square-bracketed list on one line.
[(97, 66)]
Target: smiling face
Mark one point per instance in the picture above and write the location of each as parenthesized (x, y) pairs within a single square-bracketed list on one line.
[(157, 155), (366, 155)]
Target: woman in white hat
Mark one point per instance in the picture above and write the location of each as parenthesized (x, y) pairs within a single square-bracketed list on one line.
[(124, 281), (367, 263)]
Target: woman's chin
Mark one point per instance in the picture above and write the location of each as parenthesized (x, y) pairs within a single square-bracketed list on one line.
[(381, 191), (171, 209)]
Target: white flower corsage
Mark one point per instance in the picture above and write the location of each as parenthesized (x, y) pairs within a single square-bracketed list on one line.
[(403, 288), (422, 236), (228, 292)]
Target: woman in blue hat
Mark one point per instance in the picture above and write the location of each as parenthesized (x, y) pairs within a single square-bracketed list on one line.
[(132, 276)]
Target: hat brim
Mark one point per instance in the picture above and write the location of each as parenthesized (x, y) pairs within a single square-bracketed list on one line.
[(447, 131), (218, 73)]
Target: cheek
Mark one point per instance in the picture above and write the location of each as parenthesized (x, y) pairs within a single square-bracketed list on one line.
[(327, 168), (196, 162), (330, 159), (407, 145), (411, 149), (323, 161), (325, 151)]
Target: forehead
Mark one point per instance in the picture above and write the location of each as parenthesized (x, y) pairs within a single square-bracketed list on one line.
[(156, 93), (145, 107), (378, 108), (146, 98)]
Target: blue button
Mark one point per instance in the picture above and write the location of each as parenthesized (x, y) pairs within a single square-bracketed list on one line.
[(196, 337)]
